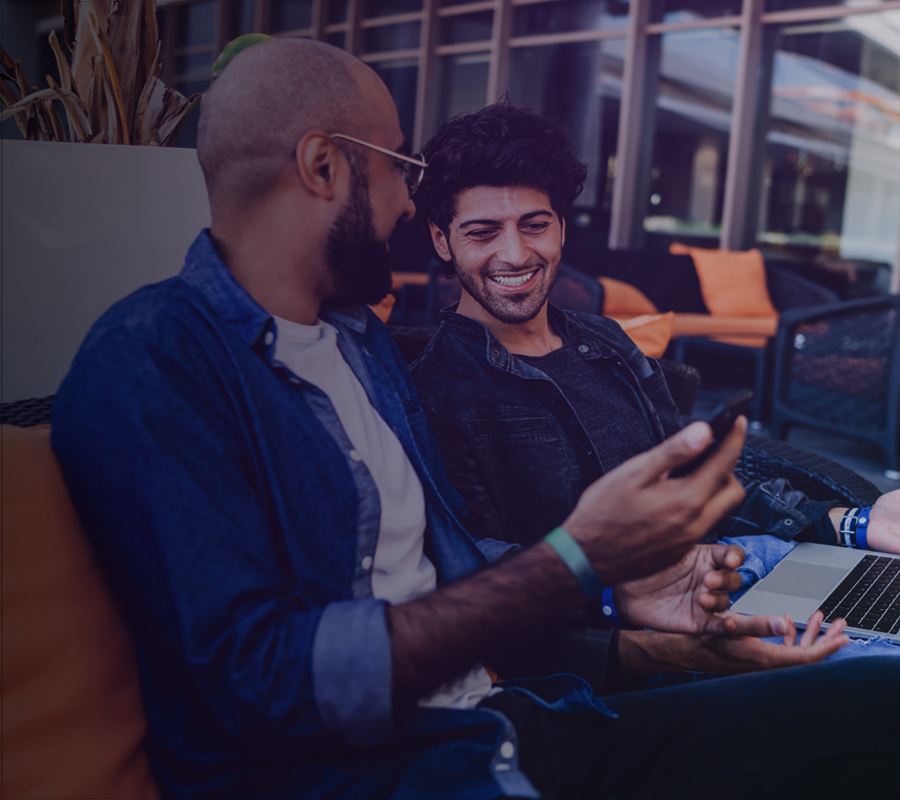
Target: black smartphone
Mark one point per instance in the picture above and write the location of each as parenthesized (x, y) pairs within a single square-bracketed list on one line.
[(721, 421)]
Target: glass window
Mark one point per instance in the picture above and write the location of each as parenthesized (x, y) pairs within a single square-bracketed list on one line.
[(404, 36), (338, 39), (291, 15), (401, 77), (188, 135), (461, 84), (192, 64), (243, 17), (582, 84), (690, 10), (786, 5), (691, 132), (466, 28), (831, 172), (196, 23), (335, 11), (569, 15), (456, 2), (386, 8)]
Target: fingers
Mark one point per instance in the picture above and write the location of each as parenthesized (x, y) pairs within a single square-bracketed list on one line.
[(683, 446), (790, 632), (812, 629), (758, 626), (730, 494), (722, 461)]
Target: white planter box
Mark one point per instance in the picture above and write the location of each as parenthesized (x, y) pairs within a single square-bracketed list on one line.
[(82, 226)]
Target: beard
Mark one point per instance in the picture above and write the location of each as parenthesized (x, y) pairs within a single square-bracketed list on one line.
[(356, 258), (510, 309)]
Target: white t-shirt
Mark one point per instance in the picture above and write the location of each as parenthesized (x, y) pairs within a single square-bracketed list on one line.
[(401, 570)]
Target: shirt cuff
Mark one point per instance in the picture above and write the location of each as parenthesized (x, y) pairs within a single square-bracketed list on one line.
[(352, 671), (817, 513), (493, 550)]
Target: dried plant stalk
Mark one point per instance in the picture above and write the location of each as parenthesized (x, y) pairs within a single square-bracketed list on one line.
[(111, 91)]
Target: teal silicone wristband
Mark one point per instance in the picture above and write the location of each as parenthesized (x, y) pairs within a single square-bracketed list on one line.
[(574, 558)]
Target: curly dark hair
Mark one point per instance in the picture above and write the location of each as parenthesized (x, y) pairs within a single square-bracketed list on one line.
[(501, 145)]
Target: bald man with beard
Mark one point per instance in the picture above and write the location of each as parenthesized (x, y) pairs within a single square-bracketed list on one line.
[(246, 450)]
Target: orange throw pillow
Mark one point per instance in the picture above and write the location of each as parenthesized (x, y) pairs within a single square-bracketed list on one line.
[(650, 332), (621, 299), (73, 719), (733, 282)]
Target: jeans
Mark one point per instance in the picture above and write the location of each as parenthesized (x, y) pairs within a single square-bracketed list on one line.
[(826, 730)]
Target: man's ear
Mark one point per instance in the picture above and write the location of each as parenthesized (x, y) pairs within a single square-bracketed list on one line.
[(562, 235), (318, 164), (439, 240)]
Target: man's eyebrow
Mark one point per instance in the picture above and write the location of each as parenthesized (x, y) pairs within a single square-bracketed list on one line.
[(495, 222)]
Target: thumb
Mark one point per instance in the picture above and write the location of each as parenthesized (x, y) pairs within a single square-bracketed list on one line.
[(675, 450), (766, 625)]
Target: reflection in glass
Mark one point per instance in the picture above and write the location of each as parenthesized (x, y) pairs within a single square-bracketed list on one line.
[(785, 5), (196, 23), (385, 8), (243, 18), (188, 135), (291, 15), (400, 77), (466, 28), (569, 15), (582, 84), (691, 132), (404, 36), (192, 64), (461, 84), (335, 11), (690, 10), (831, 174)]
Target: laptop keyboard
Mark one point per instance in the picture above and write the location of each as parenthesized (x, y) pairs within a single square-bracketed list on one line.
[(869, 597)]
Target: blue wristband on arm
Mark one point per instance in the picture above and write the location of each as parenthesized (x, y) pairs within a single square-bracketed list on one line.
[(574, 558), (862, 528)]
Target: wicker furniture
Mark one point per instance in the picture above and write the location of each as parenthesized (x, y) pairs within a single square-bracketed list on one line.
[(838, 370)]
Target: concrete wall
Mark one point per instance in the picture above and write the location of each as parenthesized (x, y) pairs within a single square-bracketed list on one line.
[(82, 226)]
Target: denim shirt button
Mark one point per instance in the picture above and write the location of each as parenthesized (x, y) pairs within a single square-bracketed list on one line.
[(355, 455), (495, 353), (583, 348), (366, 563), (788, 522), (507, 750), (269, 337)]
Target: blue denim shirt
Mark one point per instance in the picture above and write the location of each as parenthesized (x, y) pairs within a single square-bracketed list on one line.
[(220, 493), (517, 452)]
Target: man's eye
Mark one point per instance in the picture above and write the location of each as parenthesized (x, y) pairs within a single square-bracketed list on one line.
[(484, 233), (536, 227)]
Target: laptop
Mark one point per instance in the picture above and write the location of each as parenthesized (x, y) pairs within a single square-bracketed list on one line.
[(861, 586)]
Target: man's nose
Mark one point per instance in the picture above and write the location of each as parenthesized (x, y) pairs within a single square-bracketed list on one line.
[(513, 249), (409, 211)]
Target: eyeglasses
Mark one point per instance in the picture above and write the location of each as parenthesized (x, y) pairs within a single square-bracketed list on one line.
[(413, 166)]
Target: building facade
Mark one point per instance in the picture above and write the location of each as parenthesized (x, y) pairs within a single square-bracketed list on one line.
[(733, 123)]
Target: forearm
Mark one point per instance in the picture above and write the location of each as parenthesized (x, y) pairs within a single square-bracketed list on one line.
[(649, 652), (441, 635)]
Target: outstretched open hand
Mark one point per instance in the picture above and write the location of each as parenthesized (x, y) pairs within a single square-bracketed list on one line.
[(686, 597)]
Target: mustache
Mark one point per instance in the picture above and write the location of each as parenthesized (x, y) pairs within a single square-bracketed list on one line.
[(512, 271)]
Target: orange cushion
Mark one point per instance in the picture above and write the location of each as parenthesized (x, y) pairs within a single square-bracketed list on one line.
[(733, 283), (73, 721), (745, 331), (621, 299), (650, 332)]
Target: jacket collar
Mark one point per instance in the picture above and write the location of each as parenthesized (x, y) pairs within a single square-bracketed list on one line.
[(207, 273), (564, 322)]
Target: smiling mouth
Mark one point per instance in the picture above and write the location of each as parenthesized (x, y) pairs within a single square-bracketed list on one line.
[(513, 280)]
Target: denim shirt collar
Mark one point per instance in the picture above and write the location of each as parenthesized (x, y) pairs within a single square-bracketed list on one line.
[(206, 272)]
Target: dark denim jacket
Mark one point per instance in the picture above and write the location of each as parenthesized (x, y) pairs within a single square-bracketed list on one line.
[(515, 449)]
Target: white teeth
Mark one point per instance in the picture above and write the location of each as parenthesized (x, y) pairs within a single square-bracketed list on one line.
[(518, 280)]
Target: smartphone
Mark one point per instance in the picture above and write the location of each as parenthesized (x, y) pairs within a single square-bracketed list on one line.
[(721, 421)]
